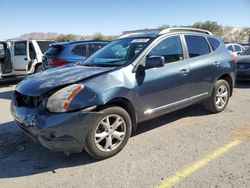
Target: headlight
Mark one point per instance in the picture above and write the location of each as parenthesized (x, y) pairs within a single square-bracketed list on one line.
[(60, 100)]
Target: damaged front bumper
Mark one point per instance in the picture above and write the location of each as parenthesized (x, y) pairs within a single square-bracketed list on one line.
[(56, 131)]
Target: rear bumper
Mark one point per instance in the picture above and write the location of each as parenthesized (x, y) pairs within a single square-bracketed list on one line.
[(57, 132)]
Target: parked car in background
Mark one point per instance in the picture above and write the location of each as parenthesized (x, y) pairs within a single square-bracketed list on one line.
[(243, 65), (22, 57), (234, 48), (60, 54), (96, 105)]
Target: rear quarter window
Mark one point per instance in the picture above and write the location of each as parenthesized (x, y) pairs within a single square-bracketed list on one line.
[(214, 43), (197, 45)]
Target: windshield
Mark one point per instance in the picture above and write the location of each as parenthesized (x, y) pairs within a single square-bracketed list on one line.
[(118, 53)]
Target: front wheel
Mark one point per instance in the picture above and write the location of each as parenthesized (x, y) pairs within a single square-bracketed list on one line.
[(110, 134), (220, 97)]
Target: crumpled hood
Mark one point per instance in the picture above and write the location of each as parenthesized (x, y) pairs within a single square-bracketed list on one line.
[(42, 82)]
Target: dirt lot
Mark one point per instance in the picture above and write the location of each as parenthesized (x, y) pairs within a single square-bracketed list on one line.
[(188, 148)]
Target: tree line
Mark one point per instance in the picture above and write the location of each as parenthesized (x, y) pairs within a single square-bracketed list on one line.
[(229, 34)]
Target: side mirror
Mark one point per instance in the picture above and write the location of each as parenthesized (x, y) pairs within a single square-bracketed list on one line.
[(155, 61)]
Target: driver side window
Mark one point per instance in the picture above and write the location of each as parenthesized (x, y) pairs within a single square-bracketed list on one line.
[(170, 48)]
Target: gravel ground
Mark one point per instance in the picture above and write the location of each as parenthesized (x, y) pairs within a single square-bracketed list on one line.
[(161, 148)]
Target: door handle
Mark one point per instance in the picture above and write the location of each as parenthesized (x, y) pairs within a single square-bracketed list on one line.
[(25, 58), (216, 63), (184, 72)]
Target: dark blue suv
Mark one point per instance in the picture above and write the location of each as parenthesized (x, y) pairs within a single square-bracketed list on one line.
[(64, 53), (96, 105)]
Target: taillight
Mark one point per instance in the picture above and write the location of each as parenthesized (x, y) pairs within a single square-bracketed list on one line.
[(57, 62), (234, 57)]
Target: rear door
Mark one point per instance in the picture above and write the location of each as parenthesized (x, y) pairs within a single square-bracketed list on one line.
[(202, 65), (20, 55)]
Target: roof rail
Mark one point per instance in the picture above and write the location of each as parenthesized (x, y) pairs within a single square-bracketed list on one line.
[(127, 35), (176, 29)]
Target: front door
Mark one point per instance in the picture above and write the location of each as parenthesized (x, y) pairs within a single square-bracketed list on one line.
[(164, 88), (20, 55)]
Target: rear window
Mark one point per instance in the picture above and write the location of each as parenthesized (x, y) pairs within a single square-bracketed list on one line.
[(197, 45), (54, 50), (214, 43), (44, 45)]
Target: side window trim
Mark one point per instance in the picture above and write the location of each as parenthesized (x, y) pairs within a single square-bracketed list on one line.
[(210, 47)]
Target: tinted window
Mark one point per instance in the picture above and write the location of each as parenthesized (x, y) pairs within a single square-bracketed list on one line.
[(230, 48), (32, 52), (170, 48), (44, 45), (54, 50), (237, 48), (94, 47), (20, 48), (246, 52), (214, 43), (80, 50), (197, 46)]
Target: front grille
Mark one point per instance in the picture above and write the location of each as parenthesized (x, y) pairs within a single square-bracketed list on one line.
[(27, 101)]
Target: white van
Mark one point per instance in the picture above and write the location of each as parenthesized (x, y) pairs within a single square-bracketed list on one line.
[(22, 57)]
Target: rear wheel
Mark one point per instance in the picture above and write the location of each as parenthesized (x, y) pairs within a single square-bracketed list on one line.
[(110, 134), (220, 97)]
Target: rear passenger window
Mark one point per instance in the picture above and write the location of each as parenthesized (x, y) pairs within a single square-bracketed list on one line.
[(230, 48), (237, 48), (197, 46), (80, 50), (170, 48), (214, 43)]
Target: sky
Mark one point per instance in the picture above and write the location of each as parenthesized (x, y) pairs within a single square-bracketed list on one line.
[(111, 17)]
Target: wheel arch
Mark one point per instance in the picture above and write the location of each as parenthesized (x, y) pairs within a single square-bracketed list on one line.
[(230, 81), (126, 105)]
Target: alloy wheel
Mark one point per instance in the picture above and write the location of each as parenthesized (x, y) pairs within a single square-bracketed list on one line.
[(110, 132), (221, 96)]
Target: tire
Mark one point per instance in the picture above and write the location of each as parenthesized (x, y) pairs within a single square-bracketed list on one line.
[(220, 97), (38, 68), (99, 136)]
